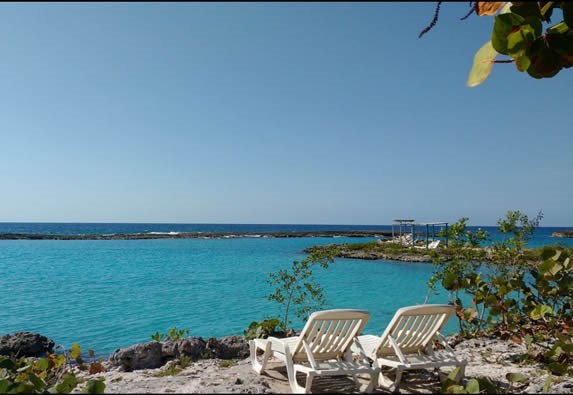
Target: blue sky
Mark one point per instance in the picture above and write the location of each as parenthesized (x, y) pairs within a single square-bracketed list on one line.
[(325, 113)]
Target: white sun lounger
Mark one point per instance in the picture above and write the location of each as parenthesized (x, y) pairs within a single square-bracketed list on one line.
[(323, 348), (407, 342)]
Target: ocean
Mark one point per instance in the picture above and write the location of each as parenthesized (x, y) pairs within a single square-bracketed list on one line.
[(107, 294)]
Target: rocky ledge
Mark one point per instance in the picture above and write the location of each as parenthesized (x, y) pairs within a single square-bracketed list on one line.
[(222, 366), (193, 235), (563, 233)]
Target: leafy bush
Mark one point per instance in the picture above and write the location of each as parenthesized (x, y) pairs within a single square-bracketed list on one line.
[(509, 296), (174, 334), (52, 374), (263, 329), (296, 288)]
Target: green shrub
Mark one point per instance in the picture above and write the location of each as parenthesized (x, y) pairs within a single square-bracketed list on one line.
[(174, 334), (52, 374), (262, 330)]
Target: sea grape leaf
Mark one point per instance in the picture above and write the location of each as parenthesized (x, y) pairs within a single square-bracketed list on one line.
[(94, 387), (515, 377), (75, 351), (37, 382), (472, 387), (547, 384), (4, 385), (520, 39), (67, 385), (42, 364), (545, 267), (482, 66), (567, 8), (557, 368), (540, 311), (488, 7), (502, 27), (449, 281), (526, 9)]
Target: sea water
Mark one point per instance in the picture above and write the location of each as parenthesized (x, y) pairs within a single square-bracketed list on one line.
[(106, 294)]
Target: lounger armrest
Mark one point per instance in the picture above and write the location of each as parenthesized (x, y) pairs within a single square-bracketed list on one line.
[(280, 346), (444, 342), (398, 352), (357, 351)]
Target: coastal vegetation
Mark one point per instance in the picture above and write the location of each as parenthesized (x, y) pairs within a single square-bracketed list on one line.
[(174, 334), (53, 374), (296, 291), (500, 288), (518, 33)]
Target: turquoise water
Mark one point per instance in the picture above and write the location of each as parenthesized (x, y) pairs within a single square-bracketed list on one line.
[(107, 294)]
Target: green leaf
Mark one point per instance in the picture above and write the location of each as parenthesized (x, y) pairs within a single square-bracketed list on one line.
[(22, 388), (94, 387), (522, 61), (515, 378), (4, 385), (488, 385), (567, 8), (7, 363), (75, 351), (38, 383), (540, 311), (482, 65), (559, 28), (546, 267), (472, 386), (521, 39), (557, 368), (527, 9), (547, 384), (450, 281), (42, 364), (67, 385), (502, 27)]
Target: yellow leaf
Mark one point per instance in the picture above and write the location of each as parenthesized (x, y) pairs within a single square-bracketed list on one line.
[(488, 7), (483, 63), (75, 351)]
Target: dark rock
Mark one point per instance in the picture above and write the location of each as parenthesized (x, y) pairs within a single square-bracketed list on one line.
[(194, 347), (228, 347), (138, 356), (25, 344), (170, 349)]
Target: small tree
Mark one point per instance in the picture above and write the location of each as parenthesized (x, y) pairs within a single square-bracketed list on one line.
[(296, 288)]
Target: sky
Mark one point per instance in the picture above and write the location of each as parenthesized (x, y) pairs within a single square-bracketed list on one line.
[(286, 113)]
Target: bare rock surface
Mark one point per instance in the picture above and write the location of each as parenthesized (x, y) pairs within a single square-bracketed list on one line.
[(25, 344), (492, 358)]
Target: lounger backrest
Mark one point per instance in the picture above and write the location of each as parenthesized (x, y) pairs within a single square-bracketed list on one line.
[(330, 333), (414, 327), (434, 244)]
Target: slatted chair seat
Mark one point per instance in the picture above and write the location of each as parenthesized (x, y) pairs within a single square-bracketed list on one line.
[(407, 342), (323, 348)]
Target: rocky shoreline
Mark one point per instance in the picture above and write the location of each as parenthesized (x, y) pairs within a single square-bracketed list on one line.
[(194, 235), (563, 234), (222, 366)]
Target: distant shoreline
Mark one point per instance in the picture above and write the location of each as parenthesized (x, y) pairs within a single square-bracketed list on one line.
[(195, 235)]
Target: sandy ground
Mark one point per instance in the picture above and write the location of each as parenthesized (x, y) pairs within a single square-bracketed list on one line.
[(489, 358)]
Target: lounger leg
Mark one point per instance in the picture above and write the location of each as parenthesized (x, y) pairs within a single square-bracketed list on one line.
[(308, 385), (461, 373), (368, 388), (259, 367), (295, 387), (398, 379)]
